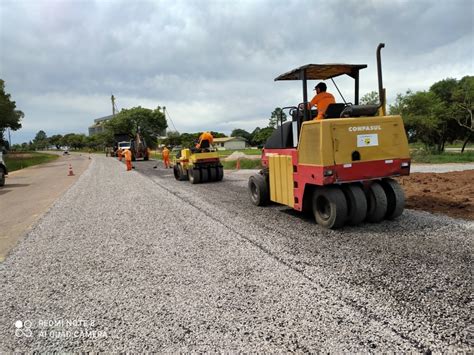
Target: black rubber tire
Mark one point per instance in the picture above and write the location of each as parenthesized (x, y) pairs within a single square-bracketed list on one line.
[(194, 176), (376, 203), (176, 172), (356, 203), (2, 177), (146, 158), (213, 173), (395, 198), (220, 173), (204, 175), (329, 207), (258, 190), (183, 173)]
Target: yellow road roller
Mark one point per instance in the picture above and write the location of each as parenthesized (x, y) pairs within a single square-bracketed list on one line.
[(198, 166)]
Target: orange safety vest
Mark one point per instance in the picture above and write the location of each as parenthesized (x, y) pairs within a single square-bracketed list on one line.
[(165, 153), (128, 155), (322, 101), (205, 136)]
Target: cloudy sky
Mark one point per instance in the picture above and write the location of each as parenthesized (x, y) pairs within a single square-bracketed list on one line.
[(212, 63)]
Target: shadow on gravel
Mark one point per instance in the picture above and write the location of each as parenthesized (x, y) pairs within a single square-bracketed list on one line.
[(17, 185)]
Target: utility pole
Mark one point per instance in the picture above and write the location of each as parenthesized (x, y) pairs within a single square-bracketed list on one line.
[(113, 105)]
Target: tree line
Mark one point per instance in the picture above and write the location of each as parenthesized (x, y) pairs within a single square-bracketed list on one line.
[(442, 114), (10, 116)]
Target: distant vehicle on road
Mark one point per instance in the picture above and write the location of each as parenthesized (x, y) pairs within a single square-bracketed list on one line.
[(124, 145), (3, 170), (136, 145)]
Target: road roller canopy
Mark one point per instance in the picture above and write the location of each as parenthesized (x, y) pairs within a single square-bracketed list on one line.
[(322, 71)]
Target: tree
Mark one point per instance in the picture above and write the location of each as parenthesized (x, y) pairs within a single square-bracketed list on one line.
[(149, 123), (463, 97), (262, 135), (173, 139), (99, 141), (217, 134), (56, 140), (74, 141), (241, 133), (41, 140), (435, 117), (10, 117), (275, 117), (371, 98), (252, 136)]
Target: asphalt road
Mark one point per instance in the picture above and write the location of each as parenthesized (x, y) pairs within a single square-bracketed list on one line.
[(157, 264)]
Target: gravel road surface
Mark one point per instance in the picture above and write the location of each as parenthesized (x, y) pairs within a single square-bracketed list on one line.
[(441, 168), (138, 261)]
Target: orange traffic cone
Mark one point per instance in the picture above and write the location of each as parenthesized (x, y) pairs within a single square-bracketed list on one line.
[(237, 165), (71, 173)]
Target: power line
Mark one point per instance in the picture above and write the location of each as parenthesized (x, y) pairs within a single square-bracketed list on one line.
[(167, 113)]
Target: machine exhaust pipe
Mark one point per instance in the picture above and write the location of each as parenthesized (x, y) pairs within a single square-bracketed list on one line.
[(379, 74)]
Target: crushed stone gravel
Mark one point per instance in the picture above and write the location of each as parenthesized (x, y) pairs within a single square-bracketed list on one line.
[(152, 264)]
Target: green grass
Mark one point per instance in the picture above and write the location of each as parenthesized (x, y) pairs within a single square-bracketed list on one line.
[(456, 144), (421, 156), (17, 161), (244, 164)]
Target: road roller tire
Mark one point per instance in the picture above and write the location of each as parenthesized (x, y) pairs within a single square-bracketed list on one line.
[(194, 176), (213, 173), (183, 173), (329, 207), (220, 173), (176, 172), (204, 175), (356, 203), (258, 190), (376, 203), (395, 198)]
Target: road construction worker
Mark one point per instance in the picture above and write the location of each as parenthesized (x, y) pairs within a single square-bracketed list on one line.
[(165, 153), (205, 136), (119, 154), (322, 100), (128, 159)]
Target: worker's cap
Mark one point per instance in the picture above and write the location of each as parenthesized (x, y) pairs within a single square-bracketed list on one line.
[(322, 86)]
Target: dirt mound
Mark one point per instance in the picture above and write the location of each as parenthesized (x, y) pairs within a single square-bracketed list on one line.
[(448, 193), (240, 155)]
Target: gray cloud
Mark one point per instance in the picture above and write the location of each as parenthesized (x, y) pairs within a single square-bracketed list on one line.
[(212, 63)]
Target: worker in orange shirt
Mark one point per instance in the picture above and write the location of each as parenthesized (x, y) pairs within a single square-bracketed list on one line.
[(205, 136), (119, 154), (165, 153), (322, 100), (128, 159)]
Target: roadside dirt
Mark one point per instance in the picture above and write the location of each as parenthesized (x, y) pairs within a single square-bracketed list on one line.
[(451, 193)]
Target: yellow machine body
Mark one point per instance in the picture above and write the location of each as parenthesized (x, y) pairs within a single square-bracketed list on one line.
[(332, 142), (281, 179)]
